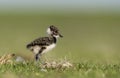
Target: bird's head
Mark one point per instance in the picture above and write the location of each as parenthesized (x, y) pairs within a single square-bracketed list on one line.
[(53, 31)]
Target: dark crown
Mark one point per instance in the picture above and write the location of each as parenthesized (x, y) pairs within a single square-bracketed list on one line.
[(53, 28), (55, 31)]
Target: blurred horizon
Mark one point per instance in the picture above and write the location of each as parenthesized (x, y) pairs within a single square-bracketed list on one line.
[(60, 6)]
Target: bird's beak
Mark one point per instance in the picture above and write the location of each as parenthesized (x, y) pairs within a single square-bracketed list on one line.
[(60, 35)]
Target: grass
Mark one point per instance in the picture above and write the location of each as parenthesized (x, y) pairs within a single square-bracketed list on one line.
[(60, 69), (84, 70)]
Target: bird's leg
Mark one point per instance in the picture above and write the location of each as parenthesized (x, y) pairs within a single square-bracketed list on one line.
[(37, 58), (38, 55)]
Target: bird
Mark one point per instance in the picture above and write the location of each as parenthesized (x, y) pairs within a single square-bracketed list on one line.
[(42, 45)]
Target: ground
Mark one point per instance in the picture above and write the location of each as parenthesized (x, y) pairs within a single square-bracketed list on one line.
[(80, 70)]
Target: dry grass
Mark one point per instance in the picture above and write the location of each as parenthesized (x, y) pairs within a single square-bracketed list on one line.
[(7, 58), (12, 58), (57, 65)]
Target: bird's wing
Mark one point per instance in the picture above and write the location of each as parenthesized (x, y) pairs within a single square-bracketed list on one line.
[(40, 42)]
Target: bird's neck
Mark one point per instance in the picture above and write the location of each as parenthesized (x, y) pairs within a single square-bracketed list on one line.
[(54, 39)]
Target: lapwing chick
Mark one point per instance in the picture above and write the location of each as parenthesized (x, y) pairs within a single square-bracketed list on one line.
[(44, 44)]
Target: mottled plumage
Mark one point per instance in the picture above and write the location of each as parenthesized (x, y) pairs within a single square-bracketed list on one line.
[(42, 41), (44, 44)]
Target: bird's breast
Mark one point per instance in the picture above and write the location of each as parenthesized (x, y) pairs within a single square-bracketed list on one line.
[(48, 48)]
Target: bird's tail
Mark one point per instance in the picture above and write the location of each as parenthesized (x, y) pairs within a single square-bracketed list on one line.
[(28, 46)]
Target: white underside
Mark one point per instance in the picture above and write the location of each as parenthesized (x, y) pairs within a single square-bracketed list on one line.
[(36, 49)]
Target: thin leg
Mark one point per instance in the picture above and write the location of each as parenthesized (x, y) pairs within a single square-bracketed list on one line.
[(38, 55)]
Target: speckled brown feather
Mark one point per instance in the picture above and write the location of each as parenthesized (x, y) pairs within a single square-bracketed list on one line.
[(42, 41)]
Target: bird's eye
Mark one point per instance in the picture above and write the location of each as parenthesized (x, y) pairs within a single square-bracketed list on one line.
[(56, 31)]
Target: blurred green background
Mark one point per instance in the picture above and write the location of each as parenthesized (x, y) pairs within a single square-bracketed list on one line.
[(91, 31)]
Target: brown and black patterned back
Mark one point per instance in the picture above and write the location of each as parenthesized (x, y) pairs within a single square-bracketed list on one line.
[(43, 41)]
